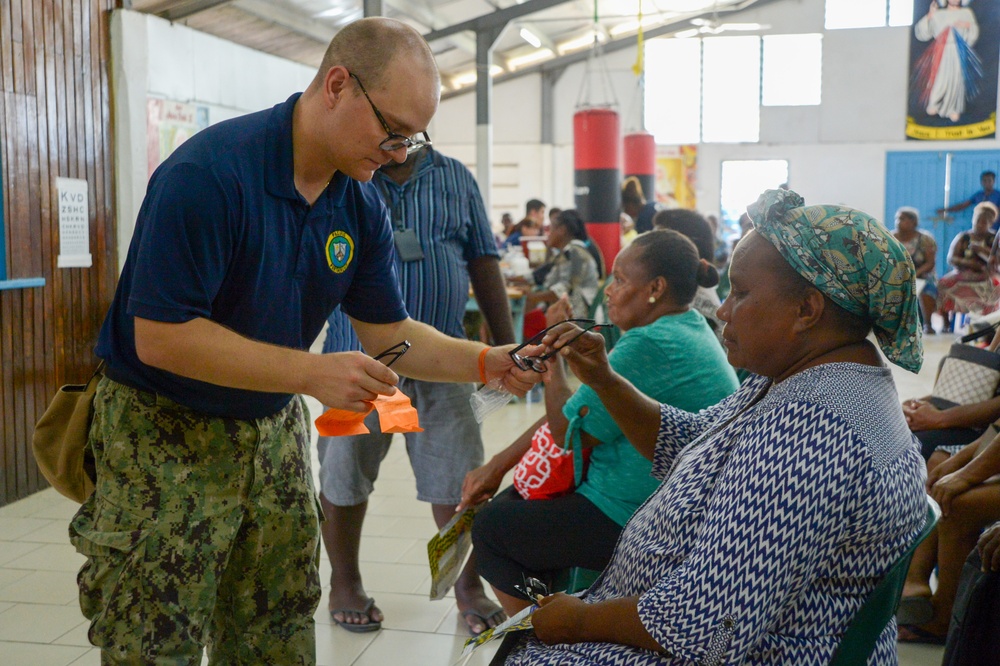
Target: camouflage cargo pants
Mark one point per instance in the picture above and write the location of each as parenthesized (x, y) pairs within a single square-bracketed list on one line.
[(202, 532)]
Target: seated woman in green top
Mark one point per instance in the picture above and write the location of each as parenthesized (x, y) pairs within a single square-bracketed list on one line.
[(668, 352)]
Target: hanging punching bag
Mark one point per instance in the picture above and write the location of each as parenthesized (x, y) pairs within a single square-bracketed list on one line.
[(597, 164), (640, 161)]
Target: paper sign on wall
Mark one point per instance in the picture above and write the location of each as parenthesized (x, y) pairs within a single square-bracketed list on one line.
[(74, 224)]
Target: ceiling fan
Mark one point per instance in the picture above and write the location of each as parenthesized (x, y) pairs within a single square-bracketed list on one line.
[(713, 26)]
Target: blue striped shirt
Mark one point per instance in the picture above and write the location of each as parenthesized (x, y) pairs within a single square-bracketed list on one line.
[(441, 202)]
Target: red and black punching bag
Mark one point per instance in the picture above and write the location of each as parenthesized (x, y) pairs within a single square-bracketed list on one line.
[(640, 161), (597, 164)]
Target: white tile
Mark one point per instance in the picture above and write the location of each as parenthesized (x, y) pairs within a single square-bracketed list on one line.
[(378, 525), (336, 646), (384, 549), (49, 557), (12, 550), (416, 527), (400, 506), (31, 504), (60, 509), (52, 531), (412, 612), (416, 554), (77, 635), (9, 576), (420, 650), (34, 654), (91, 658), (41, 587), (38, 623), (14, 528)]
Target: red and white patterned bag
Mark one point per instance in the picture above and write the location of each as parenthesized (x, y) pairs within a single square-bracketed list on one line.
[(546, 470)]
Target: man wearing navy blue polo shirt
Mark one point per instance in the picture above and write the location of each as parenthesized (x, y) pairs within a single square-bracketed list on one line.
[(204, 527), (987, 179)]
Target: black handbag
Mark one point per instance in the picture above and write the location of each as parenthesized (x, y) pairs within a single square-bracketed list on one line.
[(974, 633)]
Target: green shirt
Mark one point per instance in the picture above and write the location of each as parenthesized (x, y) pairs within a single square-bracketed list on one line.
[(676, 360)]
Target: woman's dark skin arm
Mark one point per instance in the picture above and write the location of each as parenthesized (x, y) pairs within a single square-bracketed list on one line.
[(562, 618), (637, 415)]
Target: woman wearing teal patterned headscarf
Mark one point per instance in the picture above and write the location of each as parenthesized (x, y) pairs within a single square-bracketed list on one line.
[(780, 507), (853, 260)]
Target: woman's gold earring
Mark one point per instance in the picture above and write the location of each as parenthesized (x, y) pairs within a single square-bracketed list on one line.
[(652, 299)]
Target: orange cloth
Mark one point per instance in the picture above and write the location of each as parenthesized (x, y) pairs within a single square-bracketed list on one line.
[(397, 414), (340, 422)]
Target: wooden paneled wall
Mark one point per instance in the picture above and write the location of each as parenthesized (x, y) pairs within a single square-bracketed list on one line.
[(55, 121)]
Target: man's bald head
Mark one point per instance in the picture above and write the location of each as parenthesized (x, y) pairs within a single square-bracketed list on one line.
[(367, 47)]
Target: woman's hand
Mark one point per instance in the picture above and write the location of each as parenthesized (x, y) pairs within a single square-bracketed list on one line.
[(921, 415), (558, 619), (480, 484), (559, 311), (944, 468), (948, 488), (585, 353), (989, 548)]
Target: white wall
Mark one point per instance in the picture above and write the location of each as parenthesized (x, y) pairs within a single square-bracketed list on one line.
[(836, 151), (152, 57)]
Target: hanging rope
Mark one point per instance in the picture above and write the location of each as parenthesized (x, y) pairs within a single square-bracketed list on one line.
[(636, 121), (595, 65)]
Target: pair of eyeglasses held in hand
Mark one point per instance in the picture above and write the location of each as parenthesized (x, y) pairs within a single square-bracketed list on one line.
[(394, 352), (537, 363), (533, 588)]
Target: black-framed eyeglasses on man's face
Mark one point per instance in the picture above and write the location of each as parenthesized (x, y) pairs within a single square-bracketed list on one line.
[(394, 141), (537, 363)]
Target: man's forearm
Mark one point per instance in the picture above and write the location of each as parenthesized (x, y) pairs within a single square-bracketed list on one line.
[(433, 356), (204, 350)]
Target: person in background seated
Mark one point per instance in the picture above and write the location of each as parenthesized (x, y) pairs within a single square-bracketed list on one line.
[(922, 248), (531, 225), (668, 352), (695, 227), (553, 216), (635, 205), (572, 272), (781, 507), (970, 287), (967, 487), (943, 432), (507, 224)]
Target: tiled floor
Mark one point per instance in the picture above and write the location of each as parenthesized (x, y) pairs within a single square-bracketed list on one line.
[(41, 625)]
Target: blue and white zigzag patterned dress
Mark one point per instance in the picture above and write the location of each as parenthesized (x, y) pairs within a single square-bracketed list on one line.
[(773, 524)]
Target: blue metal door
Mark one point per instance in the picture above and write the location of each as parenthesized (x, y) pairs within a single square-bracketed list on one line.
[(928, 180), (917, 179)]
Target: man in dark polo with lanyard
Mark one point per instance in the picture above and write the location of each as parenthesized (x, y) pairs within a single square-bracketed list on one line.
[(204, 528)]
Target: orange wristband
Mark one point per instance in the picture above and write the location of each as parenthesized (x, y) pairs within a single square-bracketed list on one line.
[(482, 364)]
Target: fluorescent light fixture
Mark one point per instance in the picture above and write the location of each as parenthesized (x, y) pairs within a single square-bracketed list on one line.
[(531, 38), (469, 77), (583, 41), (684, 34), (633, 26), (529, 58)]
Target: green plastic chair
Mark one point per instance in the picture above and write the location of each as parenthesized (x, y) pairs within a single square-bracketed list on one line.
[(862, 634), (574, 580), (597, 313)]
